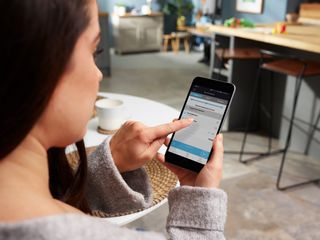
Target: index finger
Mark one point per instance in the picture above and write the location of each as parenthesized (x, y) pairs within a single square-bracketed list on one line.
[(163, 130)]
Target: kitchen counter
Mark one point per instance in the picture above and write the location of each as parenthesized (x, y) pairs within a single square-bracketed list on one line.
[(302, 37)]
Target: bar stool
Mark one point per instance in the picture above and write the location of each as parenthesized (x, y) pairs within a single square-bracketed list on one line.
[(241, 54), (167, 38), (181, 36), (288, 65), (225, 54)]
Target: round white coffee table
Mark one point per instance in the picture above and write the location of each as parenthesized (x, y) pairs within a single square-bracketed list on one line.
[(150, 113)]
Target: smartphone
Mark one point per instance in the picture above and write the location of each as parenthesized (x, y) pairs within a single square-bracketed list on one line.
[(207, 103)]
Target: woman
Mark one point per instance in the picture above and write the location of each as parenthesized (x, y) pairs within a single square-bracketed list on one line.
[(49, 83)]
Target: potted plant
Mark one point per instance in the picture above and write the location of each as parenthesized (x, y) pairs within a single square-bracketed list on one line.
[(177, 10)]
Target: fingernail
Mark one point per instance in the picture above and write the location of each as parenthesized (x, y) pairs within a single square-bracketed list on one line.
[(220, 137), (190, 119)]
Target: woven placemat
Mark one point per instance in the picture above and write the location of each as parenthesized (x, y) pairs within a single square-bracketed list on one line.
[(162, 181)]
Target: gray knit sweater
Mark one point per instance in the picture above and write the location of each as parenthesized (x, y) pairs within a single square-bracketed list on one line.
[(195, 213)]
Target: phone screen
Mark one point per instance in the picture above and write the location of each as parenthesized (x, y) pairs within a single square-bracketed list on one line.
[(207, 107)]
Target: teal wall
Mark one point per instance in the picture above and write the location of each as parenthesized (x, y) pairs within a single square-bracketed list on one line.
[(273, 10), (107, 5)]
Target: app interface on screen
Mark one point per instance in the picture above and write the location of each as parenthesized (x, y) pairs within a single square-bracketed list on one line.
[(206, 106)]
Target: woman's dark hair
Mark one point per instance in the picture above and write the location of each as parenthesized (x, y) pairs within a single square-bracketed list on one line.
[(37, 40)]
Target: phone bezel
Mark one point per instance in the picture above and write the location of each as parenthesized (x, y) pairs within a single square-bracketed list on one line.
[(209, 83)]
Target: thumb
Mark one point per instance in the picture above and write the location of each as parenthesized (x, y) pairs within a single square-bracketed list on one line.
[(215, 163)]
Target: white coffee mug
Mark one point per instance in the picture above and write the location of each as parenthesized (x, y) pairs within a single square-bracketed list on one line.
[(111, 113)]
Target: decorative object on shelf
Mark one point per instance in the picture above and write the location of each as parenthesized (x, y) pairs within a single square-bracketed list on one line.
[(238, 22), (279, 28), (249, 6), (119, 9), (122, 9), (309, 13), (146, 9), (292, 17), (181, 21)]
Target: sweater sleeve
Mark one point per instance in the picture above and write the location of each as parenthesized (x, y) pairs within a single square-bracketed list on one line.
[(196, 213), (112, 192)]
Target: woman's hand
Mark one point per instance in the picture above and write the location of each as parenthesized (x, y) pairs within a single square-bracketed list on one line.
[(134, 143), (210, 175)]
